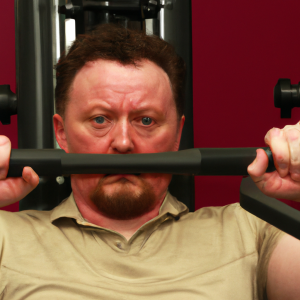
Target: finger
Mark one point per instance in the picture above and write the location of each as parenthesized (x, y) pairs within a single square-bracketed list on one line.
[(5, 148), (297, 125), (285, 128), (15, 189), (293, 138), (259, 166), (278, 143), (31, 179)]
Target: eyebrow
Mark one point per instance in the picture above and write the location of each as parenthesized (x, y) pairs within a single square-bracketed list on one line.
[(147, 110), (107, 108)]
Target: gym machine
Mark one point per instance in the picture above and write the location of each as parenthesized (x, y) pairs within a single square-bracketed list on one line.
[(44, 30), (42, 34)]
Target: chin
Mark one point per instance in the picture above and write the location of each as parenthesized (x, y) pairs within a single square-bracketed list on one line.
[(123, 199), (122, 187)]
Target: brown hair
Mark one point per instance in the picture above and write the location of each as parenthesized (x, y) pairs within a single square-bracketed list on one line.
[(128, 47)]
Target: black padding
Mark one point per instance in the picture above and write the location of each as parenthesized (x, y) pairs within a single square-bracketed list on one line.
[(269, 209)]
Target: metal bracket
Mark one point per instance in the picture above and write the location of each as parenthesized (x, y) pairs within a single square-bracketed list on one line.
[(8, 104), (269, 209), (147, 9), (168, 4), (286, 96)]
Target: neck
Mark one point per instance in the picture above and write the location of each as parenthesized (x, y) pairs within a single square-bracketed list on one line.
[(125, 227)]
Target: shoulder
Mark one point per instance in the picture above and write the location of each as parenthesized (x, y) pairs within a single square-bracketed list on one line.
[(24, 215), (218, 219), (28, 219), (232, 221), (232, 212)]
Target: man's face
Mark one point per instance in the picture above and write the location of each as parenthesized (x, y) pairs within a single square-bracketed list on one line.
[(118, 109)]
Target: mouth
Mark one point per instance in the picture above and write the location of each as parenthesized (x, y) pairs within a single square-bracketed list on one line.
[(113, 178)]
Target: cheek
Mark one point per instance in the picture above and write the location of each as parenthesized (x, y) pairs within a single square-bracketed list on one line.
[(162, 142), (85, 181), (81, 140), (159, 183)]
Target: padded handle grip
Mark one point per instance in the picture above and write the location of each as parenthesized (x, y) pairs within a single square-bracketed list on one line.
[(198, 161)]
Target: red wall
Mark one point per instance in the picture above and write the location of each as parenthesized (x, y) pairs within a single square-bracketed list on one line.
[(8, 69), (240, 50)]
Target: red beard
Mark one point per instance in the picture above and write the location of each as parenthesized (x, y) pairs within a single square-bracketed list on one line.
[(123, 204)]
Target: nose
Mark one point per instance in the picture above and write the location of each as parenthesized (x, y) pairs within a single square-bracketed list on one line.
[(122, 142)]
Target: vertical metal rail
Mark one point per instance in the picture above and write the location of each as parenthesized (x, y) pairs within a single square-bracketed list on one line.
[(176, 28), (34, 73), (34, 63)]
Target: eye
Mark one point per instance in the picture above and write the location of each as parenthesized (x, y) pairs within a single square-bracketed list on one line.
[(146, 121), (100, 120)]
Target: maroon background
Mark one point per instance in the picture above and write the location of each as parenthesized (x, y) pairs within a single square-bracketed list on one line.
[(8, 69), (240, 50)]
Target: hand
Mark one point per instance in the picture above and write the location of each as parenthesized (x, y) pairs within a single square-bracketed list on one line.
[(285, 181), (13, 189)]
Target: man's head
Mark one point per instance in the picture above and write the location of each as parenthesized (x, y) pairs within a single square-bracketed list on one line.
[(116, 107), (114, 43)]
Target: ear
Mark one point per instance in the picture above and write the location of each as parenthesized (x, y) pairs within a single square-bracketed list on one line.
[(179, 132), (60, 134)]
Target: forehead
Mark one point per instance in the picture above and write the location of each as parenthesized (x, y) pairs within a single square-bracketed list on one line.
[(111, 80)]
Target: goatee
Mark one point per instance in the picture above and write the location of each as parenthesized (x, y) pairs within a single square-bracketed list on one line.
[(123, 203)]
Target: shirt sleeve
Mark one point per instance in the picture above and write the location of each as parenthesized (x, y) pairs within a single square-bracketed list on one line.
[(267, 237)]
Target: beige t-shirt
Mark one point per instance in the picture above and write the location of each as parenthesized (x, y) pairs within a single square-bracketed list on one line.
[(214, 253)]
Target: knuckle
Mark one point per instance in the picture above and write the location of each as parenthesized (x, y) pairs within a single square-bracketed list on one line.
[(286, 127), (4, 139), (267, 137), (293, 134), (295, 176), (274, 132), (295, 161), (294, 167)]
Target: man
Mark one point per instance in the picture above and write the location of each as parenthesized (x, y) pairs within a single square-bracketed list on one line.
[(124, 236)]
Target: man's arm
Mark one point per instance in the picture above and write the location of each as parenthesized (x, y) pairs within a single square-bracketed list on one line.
[(283, 280), (284, 270)]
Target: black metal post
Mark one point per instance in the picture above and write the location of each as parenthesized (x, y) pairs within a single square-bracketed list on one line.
[(176, 29), (35, 90)]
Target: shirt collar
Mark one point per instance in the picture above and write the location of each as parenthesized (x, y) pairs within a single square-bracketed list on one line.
[(172, 206), (68, 209)]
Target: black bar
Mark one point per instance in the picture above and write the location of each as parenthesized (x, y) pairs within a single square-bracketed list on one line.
[(209, 161), (177, 31), (181, 162), (229, 161), (34, 74), (44, 162), (120, 5), (269, 209)]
